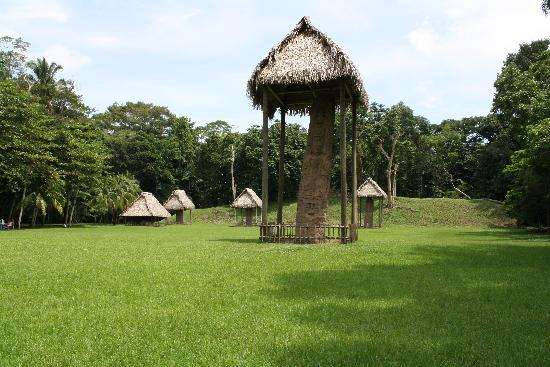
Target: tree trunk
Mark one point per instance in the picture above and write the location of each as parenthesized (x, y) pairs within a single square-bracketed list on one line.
[(389, 190), (10, 213), (233, 186), (314, 190), (67, 207), (72, 212), (394, 180), (34, 214), (21, 207)]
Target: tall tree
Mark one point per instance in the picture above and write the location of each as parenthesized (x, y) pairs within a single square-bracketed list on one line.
[(43, 79), (25, 143)]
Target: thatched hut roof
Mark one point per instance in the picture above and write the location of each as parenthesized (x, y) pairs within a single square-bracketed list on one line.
[(146, 205), (306, 60), (370, 189), (178, 201), (247, 199)]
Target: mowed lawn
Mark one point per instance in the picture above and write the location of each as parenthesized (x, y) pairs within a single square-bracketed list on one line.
[(211, 295)]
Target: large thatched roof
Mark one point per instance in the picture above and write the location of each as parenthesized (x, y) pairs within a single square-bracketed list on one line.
[(178, 201), (146, 205), (247, 199), (306, 60), (370, 189)]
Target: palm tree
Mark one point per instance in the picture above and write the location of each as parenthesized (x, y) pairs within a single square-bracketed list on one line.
[(43, 78)]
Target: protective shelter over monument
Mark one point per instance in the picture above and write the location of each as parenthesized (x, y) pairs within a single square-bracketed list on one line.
[(307, 73)]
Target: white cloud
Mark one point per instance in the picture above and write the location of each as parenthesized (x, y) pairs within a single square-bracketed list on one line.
[(34, 10), (423, 38), (71, 60), (104, 41)]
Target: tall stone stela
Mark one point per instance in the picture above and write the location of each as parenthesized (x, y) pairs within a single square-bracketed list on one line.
[(314, 190)]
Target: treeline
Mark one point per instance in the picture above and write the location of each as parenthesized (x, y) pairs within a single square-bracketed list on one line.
[(62, 162)]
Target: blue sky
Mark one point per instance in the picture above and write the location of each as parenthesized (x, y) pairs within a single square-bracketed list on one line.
[(440, 57)]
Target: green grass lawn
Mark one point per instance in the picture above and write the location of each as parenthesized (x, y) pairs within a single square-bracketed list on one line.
[(207, 295)]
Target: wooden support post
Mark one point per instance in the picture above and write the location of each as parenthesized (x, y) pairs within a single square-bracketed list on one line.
[(354, 162), (265, 176), (343, 176), (281, 188)]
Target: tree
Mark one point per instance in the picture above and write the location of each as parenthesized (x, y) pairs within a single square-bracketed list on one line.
[(546, 6), (43, 80), (150, 143), (522, 99), (12, 58), (394, 127), (529, 196), (25, 144), (111, 194)]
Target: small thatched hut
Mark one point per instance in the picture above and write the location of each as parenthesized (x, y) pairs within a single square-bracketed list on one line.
[(178, 202), (145, 209), (371, 191), (307, 73), (249, 202)]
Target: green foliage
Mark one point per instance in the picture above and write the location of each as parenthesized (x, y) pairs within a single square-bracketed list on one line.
[(12, 57), (25, 140), (110, 195), (529, 195), (151, 144), (207, 295)]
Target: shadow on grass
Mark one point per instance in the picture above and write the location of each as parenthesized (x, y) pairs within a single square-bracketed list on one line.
[(474, 305), (508, 234)]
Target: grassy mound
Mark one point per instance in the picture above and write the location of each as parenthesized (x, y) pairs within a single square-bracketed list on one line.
[(408, 211)]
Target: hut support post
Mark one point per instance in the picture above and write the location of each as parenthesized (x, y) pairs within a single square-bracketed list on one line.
[(343, 177), (281, 188), (264, 157), (354, 163)]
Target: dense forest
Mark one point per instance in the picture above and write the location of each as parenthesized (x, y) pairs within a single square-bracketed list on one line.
[(62, 162)]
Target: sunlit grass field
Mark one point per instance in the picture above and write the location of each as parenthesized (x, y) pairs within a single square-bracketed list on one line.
[(211, 295)]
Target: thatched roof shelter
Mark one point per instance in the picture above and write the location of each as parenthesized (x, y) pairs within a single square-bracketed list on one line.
[(179, 201), (247, 200), (370, 189), (304, 63), (146, 206)]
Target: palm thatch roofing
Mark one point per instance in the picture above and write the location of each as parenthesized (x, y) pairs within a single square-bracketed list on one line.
[(146, 205), (179, 201), (247, 199), (370, 189), (303, 63)]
